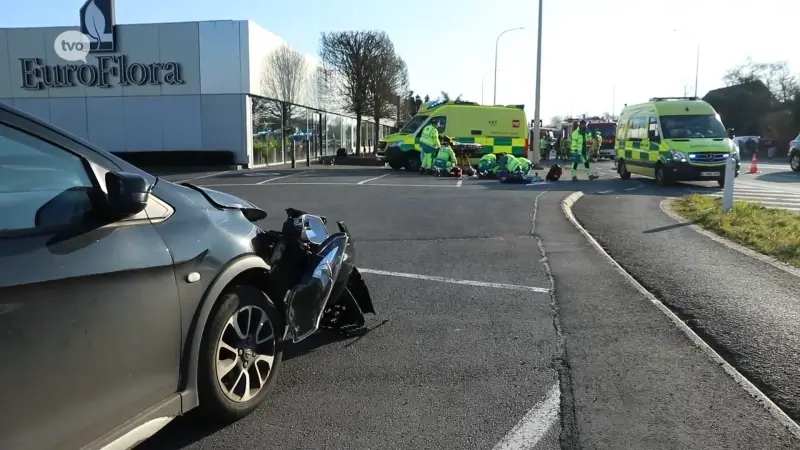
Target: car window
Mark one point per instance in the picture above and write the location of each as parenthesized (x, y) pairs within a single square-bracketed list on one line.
[(41, 186)]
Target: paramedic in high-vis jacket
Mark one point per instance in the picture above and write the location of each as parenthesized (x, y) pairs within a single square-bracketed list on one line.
[(580, 140), (429, 141)]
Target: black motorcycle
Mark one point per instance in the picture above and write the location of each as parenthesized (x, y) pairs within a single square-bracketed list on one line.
[(314, 271)]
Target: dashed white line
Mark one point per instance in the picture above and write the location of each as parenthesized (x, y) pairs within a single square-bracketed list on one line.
[(373, 179), (280, 178), (512, 287), (535, 425), (459, 182)]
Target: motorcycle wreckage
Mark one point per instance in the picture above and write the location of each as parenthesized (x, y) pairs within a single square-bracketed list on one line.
[(314, 271)]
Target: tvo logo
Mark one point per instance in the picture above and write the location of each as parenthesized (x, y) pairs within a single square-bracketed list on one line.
[(72, 46)]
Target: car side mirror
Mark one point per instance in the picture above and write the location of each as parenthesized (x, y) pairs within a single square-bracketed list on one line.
[(730, 133), (128, 194)]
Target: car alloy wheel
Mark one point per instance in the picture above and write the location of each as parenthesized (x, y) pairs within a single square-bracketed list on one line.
[(245, 353), (795, 162)]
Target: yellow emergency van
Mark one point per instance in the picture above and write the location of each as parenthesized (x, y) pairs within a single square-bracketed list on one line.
[(674, 139), (500, 129)]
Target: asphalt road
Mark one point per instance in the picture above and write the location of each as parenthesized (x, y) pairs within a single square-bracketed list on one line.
[(747, 310), (452, 363)]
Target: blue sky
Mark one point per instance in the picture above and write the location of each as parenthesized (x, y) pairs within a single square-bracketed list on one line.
[(597, 55)]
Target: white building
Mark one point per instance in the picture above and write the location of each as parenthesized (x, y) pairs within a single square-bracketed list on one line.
[(165, 88)]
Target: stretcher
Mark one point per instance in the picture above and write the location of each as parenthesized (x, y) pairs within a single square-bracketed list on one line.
[(465, 151)]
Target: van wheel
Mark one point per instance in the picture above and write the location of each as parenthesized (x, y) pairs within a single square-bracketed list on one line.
[(622, 169), (240, 355), (412, 163), (661, 175)]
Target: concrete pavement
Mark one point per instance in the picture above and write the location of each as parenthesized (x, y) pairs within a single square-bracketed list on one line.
[(492, 332), (747, 310)]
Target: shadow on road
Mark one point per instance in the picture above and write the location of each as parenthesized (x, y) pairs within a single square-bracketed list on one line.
[(779, 177), (667, 228)]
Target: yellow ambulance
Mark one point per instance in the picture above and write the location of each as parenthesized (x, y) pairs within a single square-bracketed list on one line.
[(499, 129), (674, 139)]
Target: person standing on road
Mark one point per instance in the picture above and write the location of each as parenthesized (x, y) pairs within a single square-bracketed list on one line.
[(429, 141), (581, 138)]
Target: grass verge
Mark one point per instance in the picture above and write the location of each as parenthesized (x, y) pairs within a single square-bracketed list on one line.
[(773, 232)]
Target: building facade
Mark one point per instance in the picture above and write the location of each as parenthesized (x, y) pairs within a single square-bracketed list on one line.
[(169, 88)]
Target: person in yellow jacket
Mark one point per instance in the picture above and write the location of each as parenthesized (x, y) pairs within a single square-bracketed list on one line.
[(580, 140), (429, 141), (445, 160)]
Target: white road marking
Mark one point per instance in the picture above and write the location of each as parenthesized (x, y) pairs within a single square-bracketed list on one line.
[(631, 189), (373, 179), (512, 287), (282, 177), (607, 191), (204, 176), (776, 412), (459, 182), (535, 425)]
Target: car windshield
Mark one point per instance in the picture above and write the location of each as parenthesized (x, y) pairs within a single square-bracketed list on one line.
[(414, 124), (692, 126), (606, 130)]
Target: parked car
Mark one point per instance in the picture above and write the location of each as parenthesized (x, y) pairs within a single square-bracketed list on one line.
[(794, 154), (127, 300)]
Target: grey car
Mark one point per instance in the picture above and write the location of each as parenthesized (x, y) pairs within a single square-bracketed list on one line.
[(794, 154), (127, 300)]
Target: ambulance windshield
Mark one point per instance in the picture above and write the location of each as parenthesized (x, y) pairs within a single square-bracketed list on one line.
[(692, 126), (414, 124)]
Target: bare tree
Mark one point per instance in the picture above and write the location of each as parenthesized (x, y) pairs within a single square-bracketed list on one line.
[(388, 80), (556, 121), (319, 90), (349, 55), (283, 83), (776, 76)]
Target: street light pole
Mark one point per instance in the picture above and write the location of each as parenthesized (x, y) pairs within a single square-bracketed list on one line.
[(536, 153), (496, 46), (697, 70)]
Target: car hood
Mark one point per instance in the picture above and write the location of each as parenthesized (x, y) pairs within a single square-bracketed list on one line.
[(701, 145), (227, 201)]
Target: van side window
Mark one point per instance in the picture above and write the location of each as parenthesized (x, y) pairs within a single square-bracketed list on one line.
[(440, 122), (652, 130), (638, 128)]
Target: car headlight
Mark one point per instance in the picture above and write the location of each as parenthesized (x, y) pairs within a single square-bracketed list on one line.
[(680, 156)]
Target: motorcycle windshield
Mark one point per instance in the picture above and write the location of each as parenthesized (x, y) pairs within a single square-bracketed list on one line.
[(309, 298)]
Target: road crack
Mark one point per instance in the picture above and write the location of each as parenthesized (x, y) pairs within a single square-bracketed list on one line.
[(560, 363)]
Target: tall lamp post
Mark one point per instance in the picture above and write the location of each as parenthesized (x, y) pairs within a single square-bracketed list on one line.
[(536, 153), (496, 45), (696, 64)]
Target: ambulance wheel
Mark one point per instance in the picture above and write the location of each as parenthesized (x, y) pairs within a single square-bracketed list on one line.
[(661, 175), (413, 163), (622, 169)]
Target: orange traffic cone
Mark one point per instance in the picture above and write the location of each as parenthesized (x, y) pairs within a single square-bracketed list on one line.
[(754, 164)]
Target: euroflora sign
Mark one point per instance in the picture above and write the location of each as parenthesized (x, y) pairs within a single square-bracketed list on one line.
[(97, 35), (108, 71)]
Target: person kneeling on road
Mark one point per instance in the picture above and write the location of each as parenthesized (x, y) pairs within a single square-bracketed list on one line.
[(524, 165), (487, 164), (429, 141), (445, 159), (581, 138)]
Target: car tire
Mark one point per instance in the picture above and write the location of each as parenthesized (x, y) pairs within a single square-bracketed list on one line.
[(794, 161), (622, 169), (223, 396), (661, 176), (413, 163)]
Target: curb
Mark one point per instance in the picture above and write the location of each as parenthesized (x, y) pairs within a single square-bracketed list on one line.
[(770, 406), (667, 209)]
